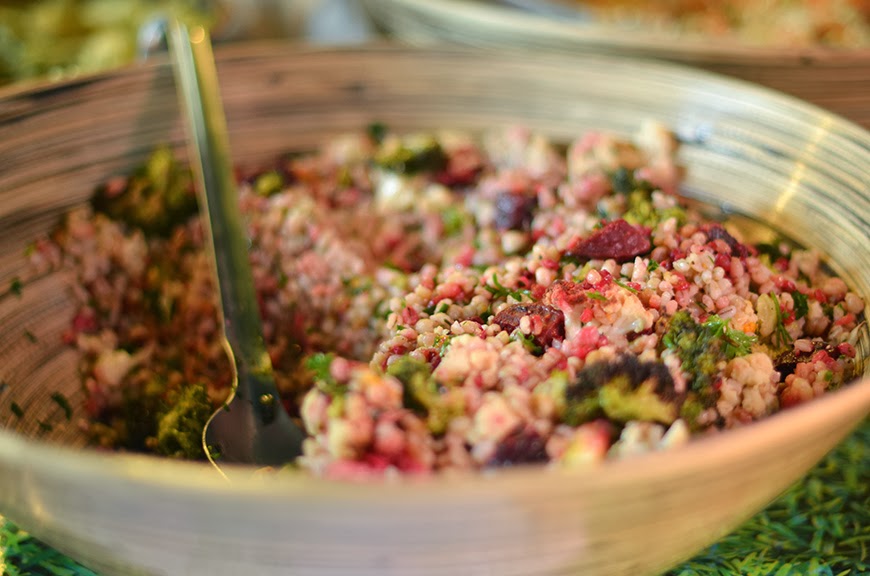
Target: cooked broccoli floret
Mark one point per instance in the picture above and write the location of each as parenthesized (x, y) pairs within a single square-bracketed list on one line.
[(156, 197), (704, 348), (269, 183), (623, 389), (421, 393), (179, 431), (417, 387), (640, 210), (623, 181), (411, 155)]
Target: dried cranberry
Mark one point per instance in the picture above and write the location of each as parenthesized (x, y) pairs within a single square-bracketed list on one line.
[(521, 447), (553, 321), (618, 240), (514, 211)]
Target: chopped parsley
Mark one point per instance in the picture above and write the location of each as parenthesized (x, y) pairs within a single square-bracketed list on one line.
[(737, 342), (319, 364), (499, 291), (61, 401), (626, 286), (454, 219), (16, 409), (15, 286), (30, 336), (653, 265), (377, 131), (595, 295), (801, 304), (528, 342), (440, 308), (780, 338)]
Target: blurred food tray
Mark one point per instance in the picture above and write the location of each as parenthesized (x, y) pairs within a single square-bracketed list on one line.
[(836, 79)]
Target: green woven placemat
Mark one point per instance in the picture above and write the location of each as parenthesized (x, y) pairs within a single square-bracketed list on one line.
[(820, 527)]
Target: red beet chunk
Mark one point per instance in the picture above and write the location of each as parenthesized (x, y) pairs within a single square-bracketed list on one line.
[(553, 321), (514, 211), (520, 447), (618, 240), (718, 232)]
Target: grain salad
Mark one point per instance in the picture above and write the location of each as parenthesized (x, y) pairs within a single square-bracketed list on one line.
[(444, 301)]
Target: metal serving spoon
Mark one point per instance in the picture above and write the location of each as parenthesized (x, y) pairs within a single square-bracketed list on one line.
[(253, 427)]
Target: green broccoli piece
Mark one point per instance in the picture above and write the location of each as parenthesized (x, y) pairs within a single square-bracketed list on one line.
[(703, 348), (269, 183), (156, 198), (640, 210), (421, 394), (417, 385), (691, 410), (179, 431), (623, 181), (412, 155), (623, 389)]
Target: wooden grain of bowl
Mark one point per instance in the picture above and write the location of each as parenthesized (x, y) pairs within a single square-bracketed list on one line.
[(801, 169), (835, 79)]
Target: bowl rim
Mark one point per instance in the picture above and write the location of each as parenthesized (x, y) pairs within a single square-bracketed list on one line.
[(201, 479), (192, 478)]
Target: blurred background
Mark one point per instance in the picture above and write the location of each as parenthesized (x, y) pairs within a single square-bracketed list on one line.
[(56, 38), (61, 38)]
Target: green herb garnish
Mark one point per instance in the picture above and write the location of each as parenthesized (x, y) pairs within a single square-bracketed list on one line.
[(61, 401), (15, 286), (377, 131), (626, 286), (30, 336), (454, 219), (16, 409), (319, 364), (499, 291), (702, 346), (595, 295), (781, 338), (801, 304), (528, 342)]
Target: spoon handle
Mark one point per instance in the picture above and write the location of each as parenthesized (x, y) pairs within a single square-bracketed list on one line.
[(210, 154)]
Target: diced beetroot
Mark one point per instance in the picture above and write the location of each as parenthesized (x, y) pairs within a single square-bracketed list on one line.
[(846, 349), (553, 321), (463, 167), (520, 447), (514, 211), (718, 232), (617, 239)]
